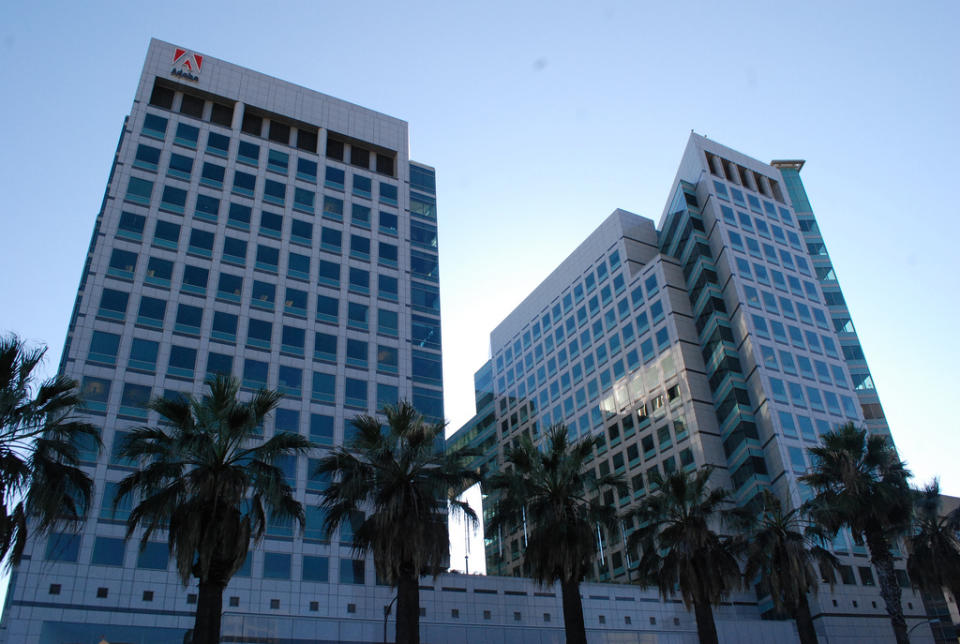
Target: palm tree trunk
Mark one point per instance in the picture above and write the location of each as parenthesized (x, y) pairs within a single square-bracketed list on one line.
[(889, 587), (706, 628), (206, 625), (408, 609), (573, 624), (805, 629)]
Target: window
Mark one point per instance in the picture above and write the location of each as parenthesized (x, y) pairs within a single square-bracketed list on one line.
[(189, 319), (108, 552), (321, 428), (147, 158), (388, 193), (362, 186), (352, 572), (187, 135), (307, 170), (113, 304), (195, 279), (259, 333), (103, 348), (62, 546), (239, 216), (325, 347), (219, 364), (131, 226), (278, 161), (303, 200), (327, 308), (333, 208), (360, 247), (154, 126), (329, 273), (274, 192), (387, 322), (359, 280), (255, 374), (357, 315), (331, 240), (276, 565), (244, 183), (268, 258), (425, 298), (180, 166), (218, 144), (201, 242), (224, 326), (182, 362), (356, 393), (316, 569), (324, 388), (357, 351), (359, 157), (387, 359), (298, 266), (388, 223), (153, 556), (143, 355)]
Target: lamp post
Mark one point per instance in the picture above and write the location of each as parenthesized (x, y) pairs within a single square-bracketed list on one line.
[(931, 622), (386, 614)]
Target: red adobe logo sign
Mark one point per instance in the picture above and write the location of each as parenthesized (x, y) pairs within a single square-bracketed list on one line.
[(186, 64)]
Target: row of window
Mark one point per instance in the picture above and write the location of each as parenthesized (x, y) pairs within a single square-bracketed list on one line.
[(212, 174), (182, 364), (275, 128), (173, 199), (817, 400), (195, 281), (755, 204), (775, 257), (236, 250), (131, 225), (758, 225), (574, 294), (110, 551)]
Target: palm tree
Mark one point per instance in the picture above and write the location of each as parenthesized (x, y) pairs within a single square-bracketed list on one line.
[(861, 484), (40, 477), (209, 479), (679, 548), (407, 484), (550, 492), (783, 552), (933, 562)]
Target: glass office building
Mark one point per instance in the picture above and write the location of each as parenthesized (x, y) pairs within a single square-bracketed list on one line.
[(717, 337), (256, 228)]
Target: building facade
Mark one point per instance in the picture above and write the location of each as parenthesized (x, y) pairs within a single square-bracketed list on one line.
[(256, 228), (718, 337)]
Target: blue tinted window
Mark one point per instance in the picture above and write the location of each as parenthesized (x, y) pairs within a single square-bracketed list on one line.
[(153, 556), (276, 565), (108, 551)]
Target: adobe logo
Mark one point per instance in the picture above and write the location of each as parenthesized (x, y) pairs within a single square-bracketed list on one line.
[(186, 64)]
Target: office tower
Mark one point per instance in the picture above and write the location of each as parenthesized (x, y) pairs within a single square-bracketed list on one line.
[(257, 228), (718, 337)]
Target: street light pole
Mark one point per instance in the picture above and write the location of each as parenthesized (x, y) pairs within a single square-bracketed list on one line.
[(386, 614), (931, 622)]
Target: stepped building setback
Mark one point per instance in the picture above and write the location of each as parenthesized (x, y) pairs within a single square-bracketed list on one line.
[(718, 337), (257, 228)]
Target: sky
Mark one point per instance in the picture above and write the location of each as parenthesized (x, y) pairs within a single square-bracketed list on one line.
[(541, 119)]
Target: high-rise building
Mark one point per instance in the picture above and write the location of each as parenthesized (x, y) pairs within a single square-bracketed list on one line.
[(261, 229), (718, 337)]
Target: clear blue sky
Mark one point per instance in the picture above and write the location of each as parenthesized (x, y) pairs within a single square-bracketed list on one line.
[(541, 118)]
